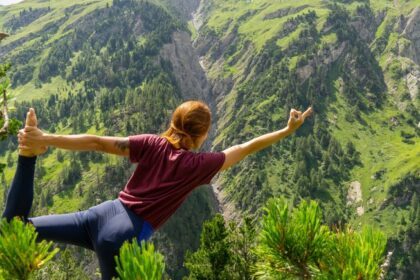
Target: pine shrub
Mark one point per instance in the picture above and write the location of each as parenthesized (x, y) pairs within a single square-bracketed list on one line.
[(139, 262), (20, 254)]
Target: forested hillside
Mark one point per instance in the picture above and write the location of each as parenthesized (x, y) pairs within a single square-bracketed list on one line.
[(120, 67), (99, 68), (356, 63)]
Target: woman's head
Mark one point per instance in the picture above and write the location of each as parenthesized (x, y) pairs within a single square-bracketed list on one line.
[(189, 125)]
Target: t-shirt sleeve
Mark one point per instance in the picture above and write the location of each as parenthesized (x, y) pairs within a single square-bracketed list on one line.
[(138, 145), (208, 164)]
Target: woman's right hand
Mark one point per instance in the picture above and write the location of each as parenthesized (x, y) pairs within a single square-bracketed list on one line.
[(297, 118)]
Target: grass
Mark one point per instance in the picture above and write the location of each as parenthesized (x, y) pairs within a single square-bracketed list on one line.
[(381, 148), (30, 91), (255, 27), (401, 7), (330, 38), (57, 12), (293, 62), (193, 31), (285, 41)]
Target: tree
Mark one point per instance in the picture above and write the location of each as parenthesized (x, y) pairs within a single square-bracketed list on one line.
[(20, 254), (242, 244), (291, 242), (294, 244), (139, 262), (211, 260), (226, 251), (65, 267)]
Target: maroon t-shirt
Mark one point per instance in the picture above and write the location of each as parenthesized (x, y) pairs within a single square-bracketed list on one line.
[(164, 176)]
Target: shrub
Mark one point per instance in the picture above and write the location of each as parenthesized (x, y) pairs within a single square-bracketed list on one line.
[(20, 254), (139, 262), (293, 244)]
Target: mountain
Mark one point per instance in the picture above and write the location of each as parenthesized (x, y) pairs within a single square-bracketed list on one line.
[(101, 68), (120, 67), (356, 63)]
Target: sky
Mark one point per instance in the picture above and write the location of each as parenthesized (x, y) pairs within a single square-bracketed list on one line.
[(9, 2)]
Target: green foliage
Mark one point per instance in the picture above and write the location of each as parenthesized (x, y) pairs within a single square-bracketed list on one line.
[(405, 245), (293, 244), (242, 244), (139, 262), (211, 260), (24, 18), (65, 267), (356, 255), (226, 252), (20, 253)]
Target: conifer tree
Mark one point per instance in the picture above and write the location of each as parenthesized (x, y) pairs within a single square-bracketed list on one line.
[(293, 244), (139, 261), (20, 253)]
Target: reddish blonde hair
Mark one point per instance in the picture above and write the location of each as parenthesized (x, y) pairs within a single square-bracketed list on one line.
[(190, 121)]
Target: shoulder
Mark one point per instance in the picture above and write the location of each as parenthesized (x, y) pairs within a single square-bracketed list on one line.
[(145, 138), (142, 144), (208, 159), (205, 165)]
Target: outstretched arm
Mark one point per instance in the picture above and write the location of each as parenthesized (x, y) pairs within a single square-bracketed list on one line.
[(33, 137), (236, 153)]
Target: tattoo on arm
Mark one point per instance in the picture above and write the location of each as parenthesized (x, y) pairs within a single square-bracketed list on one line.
[(121, 144)]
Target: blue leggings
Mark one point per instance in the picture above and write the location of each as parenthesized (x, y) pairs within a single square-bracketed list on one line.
[(102, 228)]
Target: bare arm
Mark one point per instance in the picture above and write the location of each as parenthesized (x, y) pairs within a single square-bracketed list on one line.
[(236, 153), (33, 137)]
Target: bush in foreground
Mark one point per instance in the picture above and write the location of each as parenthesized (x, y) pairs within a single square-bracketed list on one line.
[(20, 254), (294, 244), (139, 262)]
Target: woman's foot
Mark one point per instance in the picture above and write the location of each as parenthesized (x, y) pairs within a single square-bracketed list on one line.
[(31, 120)]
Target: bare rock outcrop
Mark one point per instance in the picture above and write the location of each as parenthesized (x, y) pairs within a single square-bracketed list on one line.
[(411, 32), (354, 194), (186, 67)]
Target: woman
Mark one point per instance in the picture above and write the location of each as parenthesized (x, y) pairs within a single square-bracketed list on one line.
[(166, 173)]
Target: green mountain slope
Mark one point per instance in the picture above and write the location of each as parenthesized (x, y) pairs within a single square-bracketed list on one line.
[(356, 62), (102, 68), (120, 67)]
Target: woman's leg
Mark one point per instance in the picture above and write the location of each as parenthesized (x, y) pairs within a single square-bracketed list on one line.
[(67, 228), (111, 224), (21, 192)]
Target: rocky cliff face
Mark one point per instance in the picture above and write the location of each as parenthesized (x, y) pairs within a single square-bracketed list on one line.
[(410, 48), (186, 67), (183, 8), (410, 29)]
